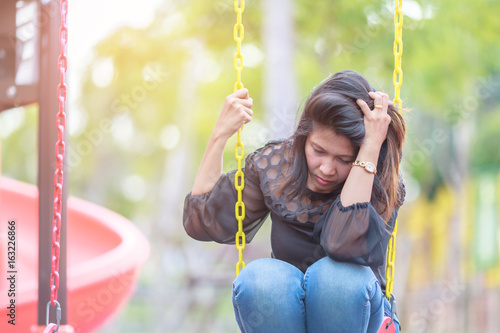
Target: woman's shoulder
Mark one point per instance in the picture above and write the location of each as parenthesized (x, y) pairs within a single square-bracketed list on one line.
[(266, 166), (271, 154)]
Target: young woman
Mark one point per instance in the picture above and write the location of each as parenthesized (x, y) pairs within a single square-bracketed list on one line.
[(333, 192)]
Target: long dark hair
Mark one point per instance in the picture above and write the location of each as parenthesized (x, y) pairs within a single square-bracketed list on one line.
[(333, 104)]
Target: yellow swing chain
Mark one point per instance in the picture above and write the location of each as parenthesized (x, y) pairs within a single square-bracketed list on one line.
[(397, 80), (239, 151)]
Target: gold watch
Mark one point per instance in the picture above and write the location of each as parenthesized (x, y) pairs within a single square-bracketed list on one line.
[(368, 166)]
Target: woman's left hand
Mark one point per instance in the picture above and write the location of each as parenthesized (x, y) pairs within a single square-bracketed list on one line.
[(376, 121)]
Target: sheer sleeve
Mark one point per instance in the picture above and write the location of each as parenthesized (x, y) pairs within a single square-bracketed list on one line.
[(211, 216), (356, 233)]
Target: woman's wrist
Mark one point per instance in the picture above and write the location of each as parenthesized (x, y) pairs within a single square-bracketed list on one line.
[(369, 152), (372, 143)]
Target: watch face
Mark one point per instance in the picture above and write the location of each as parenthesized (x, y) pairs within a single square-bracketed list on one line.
[(370, 167)]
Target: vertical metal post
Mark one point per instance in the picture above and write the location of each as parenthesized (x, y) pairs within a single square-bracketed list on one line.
[(50, 22)]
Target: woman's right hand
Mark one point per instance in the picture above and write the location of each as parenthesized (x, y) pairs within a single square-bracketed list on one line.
[(236, 111)]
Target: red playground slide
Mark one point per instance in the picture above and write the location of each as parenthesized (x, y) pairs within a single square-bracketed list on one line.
[(105, 252)]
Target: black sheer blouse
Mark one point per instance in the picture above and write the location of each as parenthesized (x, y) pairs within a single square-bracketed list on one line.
[(303, 230)]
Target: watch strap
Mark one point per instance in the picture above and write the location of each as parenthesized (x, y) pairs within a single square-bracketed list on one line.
[(368, 166)]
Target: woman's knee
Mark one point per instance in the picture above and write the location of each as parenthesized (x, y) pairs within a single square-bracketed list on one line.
[(342, 295), (267, 277), (342, 278), (268, 297)]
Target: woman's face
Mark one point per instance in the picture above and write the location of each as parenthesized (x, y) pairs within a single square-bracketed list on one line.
[(329, 157)]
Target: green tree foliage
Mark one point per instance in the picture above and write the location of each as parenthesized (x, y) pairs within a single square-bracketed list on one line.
[(450, 78), (145, 93), (485, 155)]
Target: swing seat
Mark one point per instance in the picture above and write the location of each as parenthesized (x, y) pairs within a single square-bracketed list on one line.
[(50, 329), (387, 326)]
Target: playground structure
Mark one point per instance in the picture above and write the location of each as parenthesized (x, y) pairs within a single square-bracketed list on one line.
[(105, 251), (99, 254)]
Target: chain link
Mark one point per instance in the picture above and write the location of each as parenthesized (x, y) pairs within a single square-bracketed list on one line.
[(59, 152), (238, 35), (239, 149), (397, 80), (391, 253)]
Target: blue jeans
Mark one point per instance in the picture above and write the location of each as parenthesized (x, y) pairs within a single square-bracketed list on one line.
[(271, 296)]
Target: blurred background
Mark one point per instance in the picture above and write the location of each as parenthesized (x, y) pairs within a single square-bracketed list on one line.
[(146, 81)]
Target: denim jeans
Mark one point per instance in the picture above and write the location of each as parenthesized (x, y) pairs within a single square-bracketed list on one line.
[(271, 296)]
